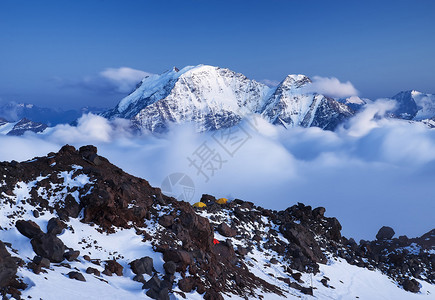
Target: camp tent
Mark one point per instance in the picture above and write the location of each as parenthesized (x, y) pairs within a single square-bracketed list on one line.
[(199, 204), (222, 201)]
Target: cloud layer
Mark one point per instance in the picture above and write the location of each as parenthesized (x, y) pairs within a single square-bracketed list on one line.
[(111, 80), (370, 172)]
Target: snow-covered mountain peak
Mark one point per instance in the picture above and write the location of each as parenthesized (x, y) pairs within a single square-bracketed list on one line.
[(295, 81), (214, 98), (414, 105), (152, 88)]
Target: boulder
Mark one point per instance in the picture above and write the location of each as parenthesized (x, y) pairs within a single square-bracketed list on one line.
[(186, 284), (112, 266), (143, 265), (71, 255), (55, 226), (226, 230), (94, 271), (76, 275), (42, 261), (385, 233), (319, 212), (180, 257), (411, 285), (28, 228), (153, 283), (208, 199), (49, 246), (170, 267)]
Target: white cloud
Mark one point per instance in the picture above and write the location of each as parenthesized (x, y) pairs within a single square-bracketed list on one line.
[(111, 80), (125, 79), (369, 173), (332, 87), (371, 117)]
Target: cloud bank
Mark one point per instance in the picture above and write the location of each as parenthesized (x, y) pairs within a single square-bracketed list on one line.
[(370, 172), (332, 87), (111, 80)]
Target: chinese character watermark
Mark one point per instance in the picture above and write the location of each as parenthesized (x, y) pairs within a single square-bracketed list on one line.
[(179, 186)]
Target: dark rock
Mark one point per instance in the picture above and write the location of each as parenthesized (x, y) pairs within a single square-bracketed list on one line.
[(297, 277), (48, 246), (71, 255), (94, 271), (304, 239), (55, 226), (76, 275), (170, 267), (153, 283), (274, 261), (208, 199), (226, 230), (36, 213), (70, 208), (213, 295), (28, 228), (89, 153), (113, 267), (139, 278), (8, 267), (107, 272), (385, 233), (186, 284), (166, 221), (166, 284), (242, 250), (304, 290), (42, 261), (143, 265), (180, 257), (411, 285), (162, 294), (319, 212)]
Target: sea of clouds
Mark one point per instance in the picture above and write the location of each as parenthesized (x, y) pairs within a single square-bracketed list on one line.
[(370, 172)]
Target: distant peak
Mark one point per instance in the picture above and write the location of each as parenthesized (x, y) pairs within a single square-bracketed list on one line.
[(296, 80)]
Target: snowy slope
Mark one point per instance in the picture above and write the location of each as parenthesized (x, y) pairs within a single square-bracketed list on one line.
[(20, 127), (288, 254), (414, 105), (291, 107)]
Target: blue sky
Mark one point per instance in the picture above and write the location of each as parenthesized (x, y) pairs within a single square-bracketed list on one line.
[(51, 52)]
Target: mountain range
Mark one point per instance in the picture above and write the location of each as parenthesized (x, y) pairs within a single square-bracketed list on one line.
[(212, 98)]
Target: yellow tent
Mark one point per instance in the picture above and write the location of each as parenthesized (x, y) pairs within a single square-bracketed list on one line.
[(199, 204), (222, 201)]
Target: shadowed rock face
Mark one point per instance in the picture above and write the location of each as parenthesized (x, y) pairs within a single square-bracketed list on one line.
[(109, 198), (8, 267), (104, 200), (9, 282)]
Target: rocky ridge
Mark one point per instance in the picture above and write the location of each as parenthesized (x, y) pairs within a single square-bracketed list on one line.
[(76, 214)]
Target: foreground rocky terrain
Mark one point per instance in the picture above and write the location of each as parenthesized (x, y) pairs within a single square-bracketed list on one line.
[(74, 226)]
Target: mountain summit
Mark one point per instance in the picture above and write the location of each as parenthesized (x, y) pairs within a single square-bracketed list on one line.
[(215, 98)]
